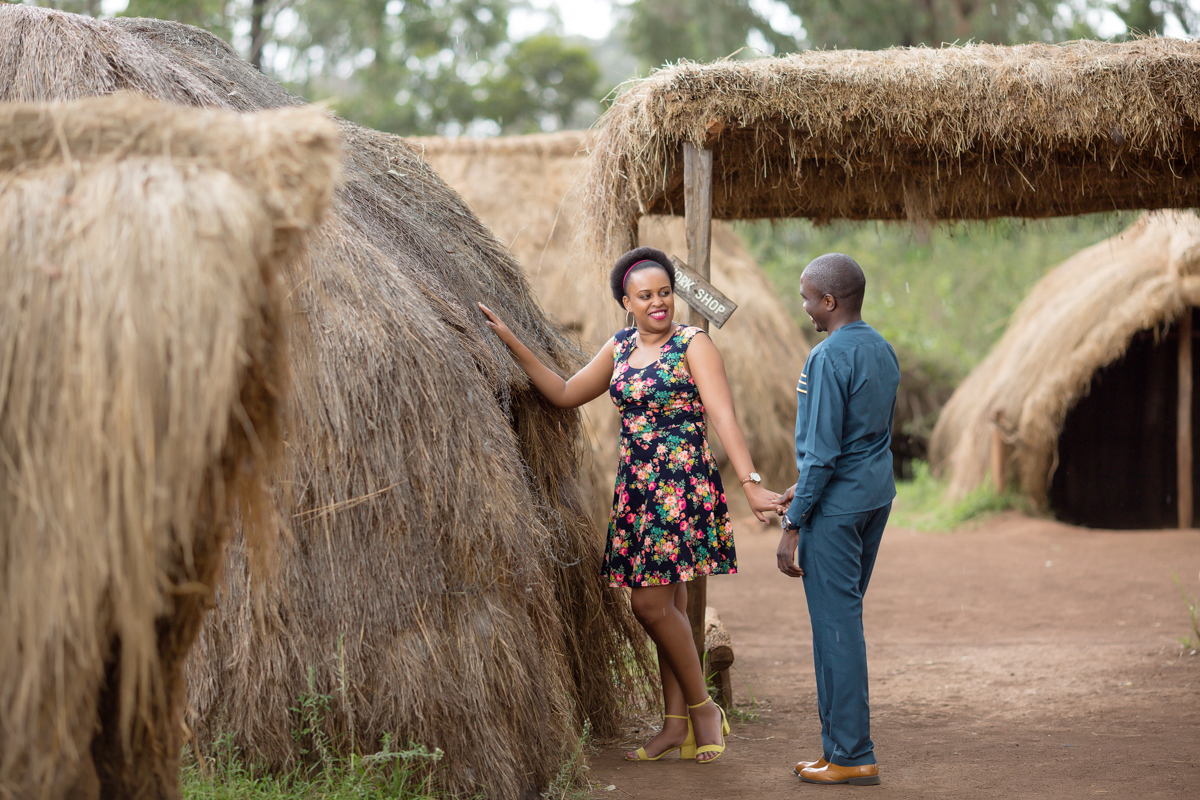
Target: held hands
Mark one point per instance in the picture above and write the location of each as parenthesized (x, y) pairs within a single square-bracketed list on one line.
[(785, 500)]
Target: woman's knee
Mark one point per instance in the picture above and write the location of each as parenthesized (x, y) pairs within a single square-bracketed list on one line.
[(651, 607)]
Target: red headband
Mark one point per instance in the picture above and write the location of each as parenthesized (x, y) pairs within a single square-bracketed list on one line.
[(643, 261)]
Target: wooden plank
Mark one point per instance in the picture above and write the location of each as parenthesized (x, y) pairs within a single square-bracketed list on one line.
[(697, 207), (1183, 446), (701, 295)]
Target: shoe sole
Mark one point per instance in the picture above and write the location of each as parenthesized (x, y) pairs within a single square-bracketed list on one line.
[(866, 780)]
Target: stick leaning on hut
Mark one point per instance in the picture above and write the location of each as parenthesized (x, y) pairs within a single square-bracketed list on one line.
[(142, 366)]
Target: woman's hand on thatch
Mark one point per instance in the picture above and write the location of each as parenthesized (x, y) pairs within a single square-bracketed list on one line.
[(497, 325)]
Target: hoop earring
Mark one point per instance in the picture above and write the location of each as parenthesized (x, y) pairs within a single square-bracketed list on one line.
[(629, 319)]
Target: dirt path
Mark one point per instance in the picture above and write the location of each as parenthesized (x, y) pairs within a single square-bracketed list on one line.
[(1021, 659)]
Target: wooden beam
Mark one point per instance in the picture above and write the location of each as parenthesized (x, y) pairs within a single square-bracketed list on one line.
[(1183, 445), (697, 207)]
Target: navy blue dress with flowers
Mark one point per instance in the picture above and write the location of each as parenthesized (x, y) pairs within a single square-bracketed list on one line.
[(669, 521)]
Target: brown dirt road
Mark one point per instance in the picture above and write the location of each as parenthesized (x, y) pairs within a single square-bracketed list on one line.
[(1024, 658)]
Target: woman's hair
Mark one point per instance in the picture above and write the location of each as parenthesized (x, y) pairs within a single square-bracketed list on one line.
[(636, 260)]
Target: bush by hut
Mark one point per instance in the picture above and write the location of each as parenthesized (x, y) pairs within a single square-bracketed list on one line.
[(142, 366), (441, 585), (525, 189), (1078, 400)]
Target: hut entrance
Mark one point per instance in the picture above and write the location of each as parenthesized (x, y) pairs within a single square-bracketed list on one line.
[(1117, 454)]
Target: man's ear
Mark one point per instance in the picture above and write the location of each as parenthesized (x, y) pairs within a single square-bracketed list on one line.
[(830, 302)]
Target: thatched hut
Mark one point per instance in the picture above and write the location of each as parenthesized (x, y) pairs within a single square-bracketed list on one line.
[(971, 132), (142, 365), (525, 189), (441, 583), (1081, 391)]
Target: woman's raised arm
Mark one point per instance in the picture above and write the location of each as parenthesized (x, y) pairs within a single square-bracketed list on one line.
[(707, 367), (582, 387)]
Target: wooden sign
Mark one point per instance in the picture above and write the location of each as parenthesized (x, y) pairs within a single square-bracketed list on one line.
[(702, 295)]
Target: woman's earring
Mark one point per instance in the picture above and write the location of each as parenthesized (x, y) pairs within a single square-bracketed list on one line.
[(628, 319)]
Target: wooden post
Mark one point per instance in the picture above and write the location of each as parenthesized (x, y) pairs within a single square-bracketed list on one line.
[(1183, 446), (719, 647), (999, 454), (697, 209)]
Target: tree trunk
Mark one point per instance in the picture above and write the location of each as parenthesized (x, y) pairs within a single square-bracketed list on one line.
[(258, 37)]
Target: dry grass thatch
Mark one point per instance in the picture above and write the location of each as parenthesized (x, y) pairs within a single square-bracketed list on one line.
[(524, 188), (142, 361), (977, 131), (1079, 318), (442, 584)]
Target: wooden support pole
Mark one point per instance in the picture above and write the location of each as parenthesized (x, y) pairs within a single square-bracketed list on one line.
[(697, 209), (719, 647), (1183, 446)]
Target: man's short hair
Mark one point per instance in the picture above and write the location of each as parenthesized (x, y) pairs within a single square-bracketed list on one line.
[(839, 275)]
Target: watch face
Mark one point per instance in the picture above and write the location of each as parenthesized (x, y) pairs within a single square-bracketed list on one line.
[(754, 476)]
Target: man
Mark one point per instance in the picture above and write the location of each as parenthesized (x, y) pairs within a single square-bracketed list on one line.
[(846, 399)]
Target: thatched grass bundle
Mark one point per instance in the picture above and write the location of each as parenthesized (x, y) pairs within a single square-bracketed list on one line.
[(142, 366), (525, 189), (976, 131), (442, 581), (1078, 325)]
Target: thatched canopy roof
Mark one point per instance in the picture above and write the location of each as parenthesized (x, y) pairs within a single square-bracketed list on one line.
[(442, 582), (142, 366), (1077, 320), (971, 132), (526, 189)]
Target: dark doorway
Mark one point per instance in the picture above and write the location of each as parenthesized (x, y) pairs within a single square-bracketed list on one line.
[(1116, 453)]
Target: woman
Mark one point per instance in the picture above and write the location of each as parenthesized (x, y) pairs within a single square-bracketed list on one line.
[(669, 522)]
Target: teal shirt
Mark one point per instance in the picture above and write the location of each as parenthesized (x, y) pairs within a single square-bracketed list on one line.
[(846, 400)]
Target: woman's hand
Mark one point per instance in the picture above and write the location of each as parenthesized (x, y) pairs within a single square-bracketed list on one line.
[(497, 325), (761, 500)]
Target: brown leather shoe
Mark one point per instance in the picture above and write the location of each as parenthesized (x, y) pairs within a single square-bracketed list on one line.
[(820, 762), (866, 775)]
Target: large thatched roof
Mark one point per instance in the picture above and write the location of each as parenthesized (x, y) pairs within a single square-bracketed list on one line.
[(970, 132), (525, 189), (142, 363), (442, 582), (1077, 320)]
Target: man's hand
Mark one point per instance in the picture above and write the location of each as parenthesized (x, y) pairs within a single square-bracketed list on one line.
[(786, 554), (785, 500)]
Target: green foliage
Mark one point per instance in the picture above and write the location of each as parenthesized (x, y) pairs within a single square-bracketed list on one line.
[(663, 31), (392, 774), (1190, 641), (1151, 16), (540, 85), (226, 774), (943, 295), (212, 15), (921, 503), (877, 24)]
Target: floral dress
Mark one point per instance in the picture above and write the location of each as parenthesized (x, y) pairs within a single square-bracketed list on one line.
[(669, 521)]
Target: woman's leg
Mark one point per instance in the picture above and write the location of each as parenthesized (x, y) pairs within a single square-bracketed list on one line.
[(662, 611), (674, 731)]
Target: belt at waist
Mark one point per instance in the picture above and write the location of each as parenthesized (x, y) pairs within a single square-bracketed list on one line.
[(661, 427)]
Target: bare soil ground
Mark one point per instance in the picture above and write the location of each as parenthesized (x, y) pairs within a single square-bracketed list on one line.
[(1023, 658)]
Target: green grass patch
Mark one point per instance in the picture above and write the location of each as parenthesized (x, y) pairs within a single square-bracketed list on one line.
[(921, 503), (394, 774)]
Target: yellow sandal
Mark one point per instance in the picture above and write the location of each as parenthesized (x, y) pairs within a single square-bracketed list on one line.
[(710, 748), (689, 744)]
